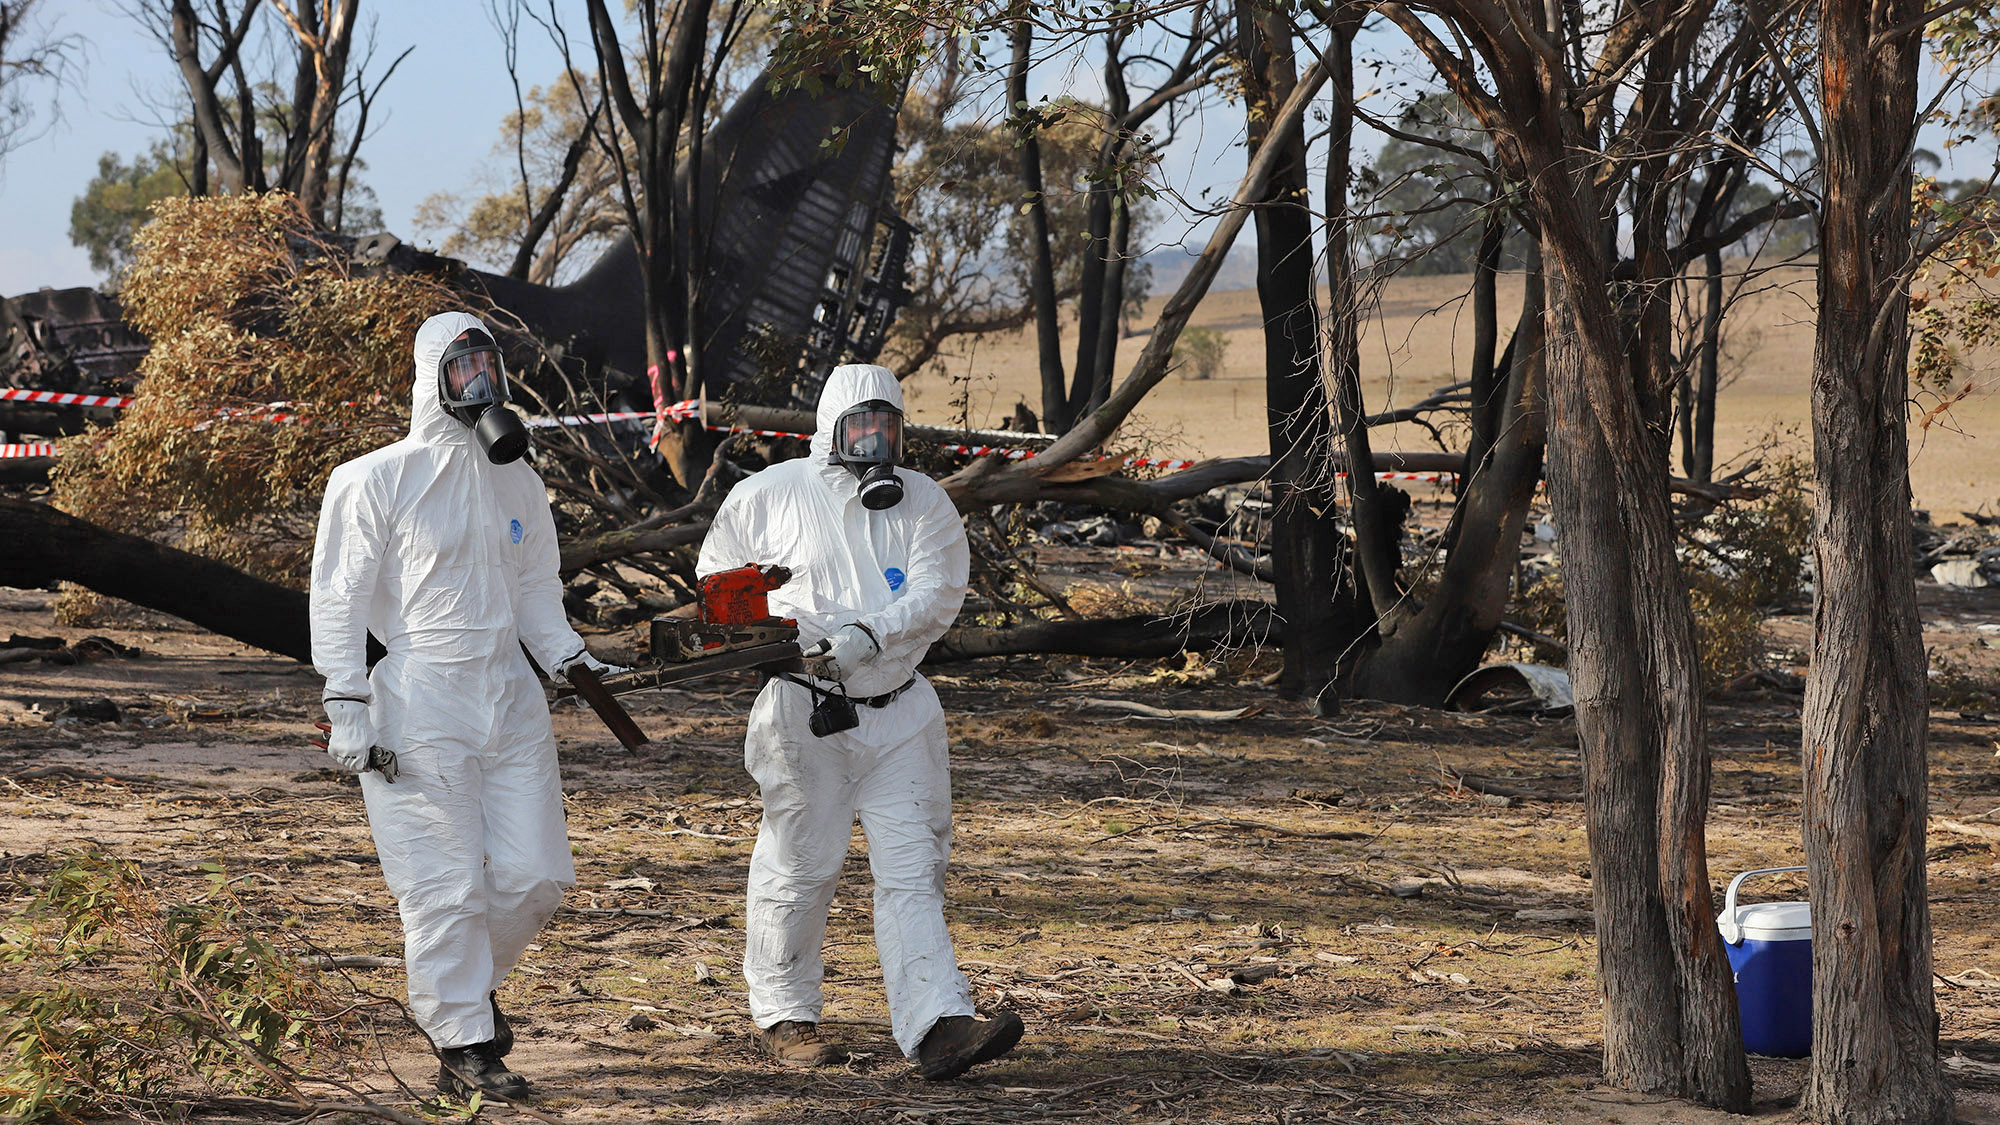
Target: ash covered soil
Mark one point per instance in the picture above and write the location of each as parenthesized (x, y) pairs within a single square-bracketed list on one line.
[(1251, 914)]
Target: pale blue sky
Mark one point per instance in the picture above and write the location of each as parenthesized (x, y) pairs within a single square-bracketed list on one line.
[(433, 126), (432, 129)]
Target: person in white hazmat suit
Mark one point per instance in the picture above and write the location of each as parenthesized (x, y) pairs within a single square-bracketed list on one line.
[(442, 546), (879, 567)]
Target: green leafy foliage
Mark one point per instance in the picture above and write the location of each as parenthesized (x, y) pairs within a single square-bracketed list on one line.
[(215, 1004), (104, 219), (1199, 352), (1740, 561)]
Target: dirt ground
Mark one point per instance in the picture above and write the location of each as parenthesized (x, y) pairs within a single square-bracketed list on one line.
[(1270, 917)]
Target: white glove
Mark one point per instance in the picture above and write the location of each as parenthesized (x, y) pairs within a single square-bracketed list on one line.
[(588, 663), (846, 651), (352, 736)]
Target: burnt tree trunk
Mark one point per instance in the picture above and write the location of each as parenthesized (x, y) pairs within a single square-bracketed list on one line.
[(1875, 1019), (1377, 551), (46, 546), (1305, 556), (1700, 465), (652, 109), (1056, 417), (1446, 639), (1488, 405)]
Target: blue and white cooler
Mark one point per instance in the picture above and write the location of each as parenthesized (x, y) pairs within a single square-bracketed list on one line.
[(1770, 952)]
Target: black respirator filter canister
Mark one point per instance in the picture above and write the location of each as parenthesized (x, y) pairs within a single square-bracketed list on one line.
[(880, 488), (501, 434)]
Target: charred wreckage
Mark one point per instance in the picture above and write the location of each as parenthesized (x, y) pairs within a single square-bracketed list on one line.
[(803, 266)]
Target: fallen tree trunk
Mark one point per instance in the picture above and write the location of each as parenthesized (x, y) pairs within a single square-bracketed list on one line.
[(26, 470), (1143, 636), (579, 553), (45, 546)]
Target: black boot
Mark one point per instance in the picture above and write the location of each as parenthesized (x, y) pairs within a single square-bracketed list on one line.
[(503, 1033), (956, 1044), (476, 1068)]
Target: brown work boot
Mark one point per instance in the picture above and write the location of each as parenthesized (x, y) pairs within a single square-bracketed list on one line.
[(956, 1044), (798, 1043)]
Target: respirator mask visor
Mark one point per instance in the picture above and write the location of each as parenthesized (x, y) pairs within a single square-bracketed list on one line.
[(868, 439), (472, 387)]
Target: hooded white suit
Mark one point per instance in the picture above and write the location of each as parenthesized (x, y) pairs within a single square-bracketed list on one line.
[(451, 562), (901, 572)]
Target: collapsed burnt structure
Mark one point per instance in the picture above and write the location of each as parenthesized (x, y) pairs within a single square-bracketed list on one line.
[(801, 267), (64, 341)]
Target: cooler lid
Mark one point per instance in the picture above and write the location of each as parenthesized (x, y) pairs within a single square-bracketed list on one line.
[(1769, 921)]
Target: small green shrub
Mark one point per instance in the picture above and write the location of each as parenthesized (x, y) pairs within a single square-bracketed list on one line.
[(185, 998), (1199, 352), (1743, 560)]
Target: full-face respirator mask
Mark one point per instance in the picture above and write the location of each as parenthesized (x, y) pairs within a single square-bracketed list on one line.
[(868, 441), (472, 387)]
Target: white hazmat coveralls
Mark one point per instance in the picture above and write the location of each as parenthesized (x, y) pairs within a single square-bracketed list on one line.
[(902, 573), (450, 560)]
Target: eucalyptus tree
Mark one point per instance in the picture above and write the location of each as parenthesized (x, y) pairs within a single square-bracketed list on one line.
[(1553, 95)]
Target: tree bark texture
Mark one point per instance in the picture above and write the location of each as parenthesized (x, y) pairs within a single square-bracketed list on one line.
[(45, 546), (1305, 552), (1670, 1019), (1866, 703), (1445, 640), (1042, 269)]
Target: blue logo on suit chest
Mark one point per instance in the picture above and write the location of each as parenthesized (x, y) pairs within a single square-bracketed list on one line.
[(514, 530), (895, 576)]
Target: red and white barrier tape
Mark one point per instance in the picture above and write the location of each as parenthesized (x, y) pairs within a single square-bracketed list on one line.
[(683, 411), (58, 398), (1427, 478)]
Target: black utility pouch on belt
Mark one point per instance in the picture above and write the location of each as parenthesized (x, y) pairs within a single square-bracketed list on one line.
[(834, 711)]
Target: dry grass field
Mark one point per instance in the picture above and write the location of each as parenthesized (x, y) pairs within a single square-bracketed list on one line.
[(1421, 334)]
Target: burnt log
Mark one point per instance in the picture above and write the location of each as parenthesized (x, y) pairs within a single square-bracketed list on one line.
[(45, 546), (1144, 636)]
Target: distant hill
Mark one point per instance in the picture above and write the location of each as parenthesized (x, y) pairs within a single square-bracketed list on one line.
[(1172, 263)]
